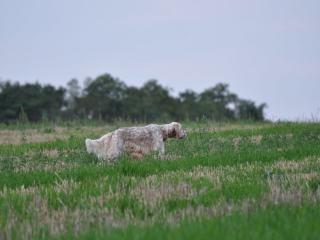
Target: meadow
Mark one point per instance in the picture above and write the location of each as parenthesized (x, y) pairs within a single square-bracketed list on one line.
[(224, 181)]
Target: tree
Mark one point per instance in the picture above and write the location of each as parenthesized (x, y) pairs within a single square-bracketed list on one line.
[(73, 93), (103, 97), (157, 102), (134, 104), (108, 98), (246, 109), (215, 102), (37, 101), (74, 88), (189, 101)]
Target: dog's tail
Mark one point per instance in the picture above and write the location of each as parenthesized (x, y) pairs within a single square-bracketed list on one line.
[(89, 145)]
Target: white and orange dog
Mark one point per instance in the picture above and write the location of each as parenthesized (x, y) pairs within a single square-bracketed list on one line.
[(134, 141)]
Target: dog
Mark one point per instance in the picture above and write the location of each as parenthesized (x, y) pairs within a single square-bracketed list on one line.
[(134, 141)]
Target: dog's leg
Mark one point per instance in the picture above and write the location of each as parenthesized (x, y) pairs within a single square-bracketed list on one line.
[(160, 150)]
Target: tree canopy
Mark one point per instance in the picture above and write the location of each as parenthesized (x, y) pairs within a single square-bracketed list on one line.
[(108, 98)]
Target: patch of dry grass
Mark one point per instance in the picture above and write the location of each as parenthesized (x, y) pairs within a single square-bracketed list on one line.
[(30, 136), (128, 194)]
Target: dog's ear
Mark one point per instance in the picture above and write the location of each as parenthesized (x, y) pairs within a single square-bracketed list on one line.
[(178, 131), (169, 131), (172, 132), (175, 130)]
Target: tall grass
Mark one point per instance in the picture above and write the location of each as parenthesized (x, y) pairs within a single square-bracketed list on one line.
[(223, 181)]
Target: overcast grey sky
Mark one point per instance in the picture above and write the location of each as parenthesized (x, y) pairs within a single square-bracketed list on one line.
[(267, 50)]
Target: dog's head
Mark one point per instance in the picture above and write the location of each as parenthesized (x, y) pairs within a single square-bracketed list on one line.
[(174, 130)]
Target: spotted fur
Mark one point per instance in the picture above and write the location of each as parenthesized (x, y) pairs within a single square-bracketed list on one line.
[(134, 141)]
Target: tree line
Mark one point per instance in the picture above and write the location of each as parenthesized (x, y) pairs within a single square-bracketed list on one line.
[(108, 98)]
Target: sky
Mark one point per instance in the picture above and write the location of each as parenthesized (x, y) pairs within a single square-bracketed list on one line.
[(266, 50)]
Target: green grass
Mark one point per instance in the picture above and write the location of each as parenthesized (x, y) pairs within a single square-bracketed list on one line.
[(272, 223), (225, 181)]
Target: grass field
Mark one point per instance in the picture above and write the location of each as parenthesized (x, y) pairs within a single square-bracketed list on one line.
[(224, 181)]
